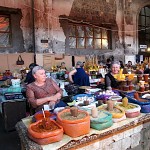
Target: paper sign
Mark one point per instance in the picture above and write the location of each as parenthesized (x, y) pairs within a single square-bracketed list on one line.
[(46, 107)]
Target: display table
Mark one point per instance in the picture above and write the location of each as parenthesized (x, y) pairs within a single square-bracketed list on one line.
[(129, 133)]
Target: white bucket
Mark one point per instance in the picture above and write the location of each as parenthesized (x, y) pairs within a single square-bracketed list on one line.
[(15, 82)]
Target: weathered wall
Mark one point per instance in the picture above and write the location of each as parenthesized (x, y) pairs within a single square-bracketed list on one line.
[(121, 15), (23, 39)]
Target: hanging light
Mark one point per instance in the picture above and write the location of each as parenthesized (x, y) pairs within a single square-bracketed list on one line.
[(148, 49)]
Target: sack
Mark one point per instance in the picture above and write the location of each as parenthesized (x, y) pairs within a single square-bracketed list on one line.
[(19, 61)]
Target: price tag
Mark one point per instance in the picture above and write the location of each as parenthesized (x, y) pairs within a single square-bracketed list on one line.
[(46, 107)]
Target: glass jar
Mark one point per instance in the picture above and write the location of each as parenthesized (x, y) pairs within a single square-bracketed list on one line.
[(142, 88), (146, 87), (126, 88)]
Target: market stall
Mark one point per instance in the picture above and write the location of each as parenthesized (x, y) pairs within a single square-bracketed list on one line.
[(122, 135)]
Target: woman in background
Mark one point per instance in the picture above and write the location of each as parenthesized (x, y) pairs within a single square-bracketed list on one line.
[(29, 78), (110, 81), (63, 67), (78, 76)]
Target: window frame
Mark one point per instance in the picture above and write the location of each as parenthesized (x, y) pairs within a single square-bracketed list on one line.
[(10, 30), (109, 35), (143, 28)]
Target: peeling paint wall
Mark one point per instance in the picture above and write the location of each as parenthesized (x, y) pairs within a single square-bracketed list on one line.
[(122, 15)]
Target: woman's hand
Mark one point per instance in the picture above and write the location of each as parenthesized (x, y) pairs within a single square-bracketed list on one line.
[(54, 98), (52, 104)]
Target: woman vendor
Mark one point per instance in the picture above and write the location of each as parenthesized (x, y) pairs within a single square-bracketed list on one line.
[(43, 92), (110, 81), (78, 76)]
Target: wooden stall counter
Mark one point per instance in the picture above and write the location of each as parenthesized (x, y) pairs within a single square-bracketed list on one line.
[(127, 134)]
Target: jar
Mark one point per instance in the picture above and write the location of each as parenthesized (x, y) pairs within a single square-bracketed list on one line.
[(126, 88), (146, 87), (129, 82), (131, 87), (142, 88), (74, 111), (146, 76), (139, 77), (121, 87), (86, 102), (123, 83), (94, 112)]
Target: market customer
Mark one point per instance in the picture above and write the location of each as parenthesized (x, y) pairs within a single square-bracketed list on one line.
[(43, 92), (63, 67), (78, 76), (110, 81)]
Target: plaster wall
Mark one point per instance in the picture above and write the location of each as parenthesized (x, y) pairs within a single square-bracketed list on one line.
[(122, 16), (8, 61)]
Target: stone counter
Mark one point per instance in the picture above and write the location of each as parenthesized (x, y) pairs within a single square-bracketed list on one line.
[(128, 134)]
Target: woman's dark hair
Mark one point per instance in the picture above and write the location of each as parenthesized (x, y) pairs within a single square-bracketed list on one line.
[(32, 65)]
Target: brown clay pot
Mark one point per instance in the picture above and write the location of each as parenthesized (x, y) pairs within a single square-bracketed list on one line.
[(129, 82), (110, 105), (131, 87), (146, 87), (74, 128), (74, 111), (142, 88), (139, 77), (146, 76), (45, 137), (126, 88), (123, 83)]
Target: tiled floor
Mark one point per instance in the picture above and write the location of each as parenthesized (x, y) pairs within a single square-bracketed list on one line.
[(8, 140)]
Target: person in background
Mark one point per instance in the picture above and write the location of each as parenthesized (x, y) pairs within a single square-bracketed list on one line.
[(29, 77), (147, 69), (110, 81), (108, 63), (43, 92), (121, 64), (78, 76), (63, 67), (129, 64)]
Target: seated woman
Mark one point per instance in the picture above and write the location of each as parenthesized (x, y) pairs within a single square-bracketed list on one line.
[(110, 81), (78, 76), (43, 91)]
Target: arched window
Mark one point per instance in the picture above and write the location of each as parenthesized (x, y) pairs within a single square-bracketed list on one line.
[(5, 31), (144, 28)]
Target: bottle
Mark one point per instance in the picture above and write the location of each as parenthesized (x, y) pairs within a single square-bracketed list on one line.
[(94, 112)]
